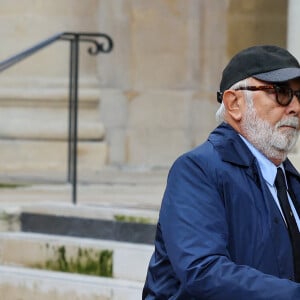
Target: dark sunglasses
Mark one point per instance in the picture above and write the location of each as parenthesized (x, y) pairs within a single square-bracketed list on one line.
[(284, 94)]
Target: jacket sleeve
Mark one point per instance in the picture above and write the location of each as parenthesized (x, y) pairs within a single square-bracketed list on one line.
[(195, 233)]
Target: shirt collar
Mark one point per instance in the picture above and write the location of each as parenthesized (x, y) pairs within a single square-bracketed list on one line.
[(267, 168)]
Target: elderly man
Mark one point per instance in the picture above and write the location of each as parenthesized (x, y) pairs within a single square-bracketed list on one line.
[(229, 222)]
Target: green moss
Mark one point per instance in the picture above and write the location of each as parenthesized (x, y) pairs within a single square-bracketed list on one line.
[(4, 185), (87, 261), (133, 219), (9, 218)]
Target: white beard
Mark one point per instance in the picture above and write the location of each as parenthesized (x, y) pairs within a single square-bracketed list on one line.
[(270, 140)]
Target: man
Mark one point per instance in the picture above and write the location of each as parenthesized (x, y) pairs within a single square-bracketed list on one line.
[(228, 228)]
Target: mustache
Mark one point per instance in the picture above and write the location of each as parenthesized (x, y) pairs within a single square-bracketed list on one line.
[(291, 121)]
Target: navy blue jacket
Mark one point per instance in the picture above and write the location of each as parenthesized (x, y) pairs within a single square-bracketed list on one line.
[(220, 234)]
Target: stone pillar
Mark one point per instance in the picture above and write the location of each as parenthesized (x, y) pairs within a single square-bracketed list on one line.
[(163, 76), (293, 42), (255, 22), (293, 45)]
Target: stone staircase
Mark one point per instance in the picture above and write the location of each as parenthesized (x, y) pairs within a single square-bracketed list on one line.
[(124, 201), (34, 130)]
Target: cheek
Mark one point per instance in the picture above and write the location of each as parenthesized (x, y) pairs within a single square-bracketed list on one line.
[(270, 114)]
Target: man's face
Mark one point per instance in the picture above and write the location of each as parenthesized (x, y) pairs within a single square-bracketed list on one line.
[(271, 128)]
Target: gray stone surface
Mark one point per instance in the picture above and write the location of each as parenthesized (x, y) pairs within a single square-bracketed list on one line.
[(131, 232), (28, 284)]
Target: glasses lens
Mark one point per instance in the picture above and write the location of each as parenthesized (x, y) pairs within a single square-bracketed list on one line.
[(297, 94), (284, 95)]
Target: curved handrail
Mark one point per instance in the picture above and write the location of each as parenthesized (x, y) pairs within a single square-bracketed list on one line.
[(67, 36)]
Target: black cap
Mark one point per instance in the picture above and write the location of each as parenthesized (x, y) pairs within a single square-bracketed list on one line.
[(267, 63)]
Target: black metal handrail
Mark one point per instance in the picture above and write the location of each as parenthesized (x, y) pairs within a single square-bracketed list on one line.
[(74, 38)]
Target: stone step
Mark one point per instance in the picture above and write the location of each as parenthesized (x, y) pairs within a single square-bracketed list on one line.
[(47, 123), (110, 189), (117, 223), (30, 284), (111, 176), (125, 231), (92, 211), (42, 129), (48, 156), (129, 261)]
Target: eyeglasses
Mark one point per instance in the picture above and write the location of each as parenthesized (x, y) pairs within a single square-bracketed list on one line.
[(284, 94)]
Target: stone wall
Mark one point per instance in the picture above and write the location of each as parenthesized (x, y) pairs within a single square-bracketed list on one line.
[(157, 88), (162, 77), (256, 22), (26, 23)]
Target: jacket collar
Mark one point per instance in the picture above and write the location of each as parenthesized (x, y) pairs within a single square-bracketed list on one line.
[(289, 168), (230, 146)]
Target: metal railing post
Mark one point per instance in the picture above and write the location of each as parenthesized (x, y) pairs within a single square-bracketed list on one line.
[(74, 115), (70, 112)]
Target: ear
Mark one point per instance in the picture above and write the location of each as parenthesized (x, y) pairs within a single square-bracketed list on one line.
[(233, 103)]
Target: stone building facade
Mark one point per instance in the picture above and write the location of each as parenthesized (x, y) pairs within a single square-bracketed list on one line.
[(142, 105)]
